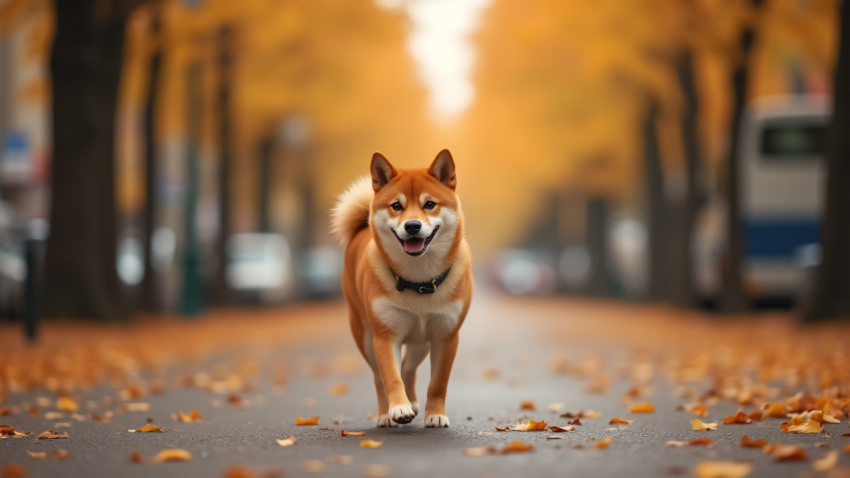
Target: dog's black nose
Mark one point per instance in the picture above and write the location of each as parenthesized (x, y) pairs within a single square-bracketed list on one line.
[(412, 227)]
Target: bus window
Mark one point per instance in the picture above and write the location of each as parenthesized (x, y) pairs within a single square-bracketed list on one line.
[(783, 142)]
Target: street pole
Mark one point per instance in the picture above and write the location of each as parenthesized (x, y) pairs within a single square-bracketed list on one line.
[(192, 303)]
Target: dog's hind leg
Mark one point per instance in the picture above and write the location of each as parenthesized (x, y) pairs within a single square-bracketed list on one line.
[(413, 357)]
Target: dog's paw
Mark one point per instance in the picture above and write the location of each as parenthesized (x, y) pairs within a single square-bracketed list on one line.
[(402, 414), (415, 407), (384, 421), (437, 421)]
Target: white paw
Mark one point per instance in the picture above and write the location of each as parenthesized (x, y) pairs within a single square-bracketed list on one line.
[(384, 421), (402, 414), (437, 421), (415, 407)]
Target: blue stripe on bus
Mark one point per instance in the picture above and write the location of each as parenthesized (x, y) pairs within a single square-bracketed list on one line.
[(779, 238)]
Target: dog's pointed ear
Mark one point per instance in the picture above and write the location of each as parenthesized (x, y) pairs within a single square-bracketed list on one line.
[(443, 169), (382, 171)]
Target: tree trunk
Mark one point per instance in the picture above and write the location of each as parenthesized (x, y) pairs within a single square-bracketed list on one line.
[(830, 297), (149, 297), (597, 246), (80, 275), (680, 264), (732, 296), (222, 293), (655, 206)]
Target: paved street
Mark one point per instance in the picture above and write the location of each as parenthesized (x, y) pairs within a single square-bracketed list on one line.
[(292, 361)]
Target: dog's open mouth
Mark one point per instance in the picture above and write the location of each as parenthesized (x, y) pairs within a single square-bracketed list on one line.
[(416, 245)]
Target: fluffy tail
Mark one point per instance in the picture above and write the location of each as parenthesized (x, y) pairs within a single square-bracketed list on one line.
[(351, 213)]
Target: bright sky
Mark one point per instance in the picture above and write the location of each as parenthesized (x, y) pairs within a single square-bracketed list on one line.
[(439, 41)]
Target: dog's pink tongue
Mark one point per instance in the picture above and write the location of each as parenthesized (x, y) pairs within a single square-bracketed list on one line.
[(415, 244)]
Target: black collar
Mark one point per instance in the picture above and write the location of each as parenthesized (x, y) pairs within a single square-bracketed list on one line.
[(421, 287)]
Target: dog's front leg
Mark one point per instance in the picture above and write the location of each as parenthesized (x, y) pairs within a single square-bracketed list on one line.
[(388, 355), (442, 357)]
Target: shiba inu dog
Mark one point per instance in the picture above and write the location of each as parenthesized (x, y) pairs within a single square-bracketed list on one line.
[(407, 280)]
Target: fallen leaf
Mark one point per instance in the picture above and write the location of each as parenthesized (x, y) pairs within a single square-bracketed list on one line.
[(287, 442), (828, 462), (701, 442), (62, 425), (130, 393), (809, 426), (598, 385), (53, 415), (13, 471), (66, 404), (172, 454), (531, 426), (575, 422), (517, 447), (192, 416), (775, 410), (313, 466), (756, 415), (823, 444), (306, 421), (558, 429), (376, 471), (698, 425), (352, 434), (147, 428), (642, 408), (555, 407), (675, 444), (739, 417), (33, 411), (371, 444), (339, 389), (581, 414), (528, 405), (722, 469), (107, 417), (784, 426), (603, 443), (788, 453), (329, 429), (747, 442), (479, 451), (5, 411), (341, 459), (700, 410), (37, 455), (78, 417), (619, 421), (136, 407), (847, 448), (136, 457), (553, 437), (51, 434), (7, 429), (503, 429), (59, 454)]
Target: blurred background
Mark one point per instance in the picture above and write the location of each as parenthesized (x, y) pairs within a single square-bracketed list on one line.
[(169, 156)]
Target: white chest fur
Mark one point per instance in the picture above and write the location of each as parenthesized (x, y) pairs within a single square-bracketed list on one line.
[(416, 319)]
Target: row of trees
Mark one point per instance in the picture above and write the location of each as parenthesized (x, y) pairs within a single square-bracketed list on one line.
[(658, 86)]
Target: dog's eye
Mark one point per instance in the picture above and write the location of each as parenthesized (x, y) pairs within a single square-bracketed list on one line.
[(430, 205), (396, 206)]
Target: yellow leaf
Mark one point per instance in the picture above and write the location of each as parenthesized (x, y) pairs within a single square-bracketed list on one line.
[(371, 444), (528, 405), (147, 428), (642, 408), (603, 443), (172, 454), (67, 405), (352, 434), (531, 426), (722, 469), (517, 447), (619, 421), (698, 425), (809, 426), (306, 421), (40, 455)]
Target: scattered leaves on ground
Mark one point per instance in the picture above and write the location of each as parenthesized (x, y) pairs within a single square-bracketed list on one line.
[(376, 471), (530, 426), (13, 471), (788, 453), (107, 417), (307, 421), (604, 443), (558, 429), (809, 426), (352, 434), (66, 404), (555, 407), (739, 417), (313, 466), (371, 444), (338, 389), (828, 462), (147, 429), (479, 451), (172, 454), (50, 435), (341, 459), (749, 443), (136, 407), (190, 417), (286, 442), (59, 454), (581, 414), (700, 410), (620, 421), (37, 455), (528, 405)]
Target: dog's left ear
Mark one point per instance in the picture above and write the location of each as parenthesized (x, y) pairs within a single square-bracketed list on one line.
[(443, 169)]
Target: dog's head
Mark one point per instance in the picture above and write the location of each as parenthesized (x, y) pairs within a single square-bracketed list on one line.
[(415, 212)]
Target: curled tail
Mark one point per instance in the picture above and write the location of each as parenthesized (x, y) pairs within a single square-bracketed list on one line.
[(351, 213)]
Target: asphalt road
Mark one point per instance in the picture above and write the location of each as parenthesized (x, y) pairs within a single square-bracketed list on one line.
[(517, 338)]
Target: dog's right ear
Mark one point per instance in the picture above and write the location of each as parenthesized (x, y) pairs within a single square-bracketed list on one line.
[(382, 171)]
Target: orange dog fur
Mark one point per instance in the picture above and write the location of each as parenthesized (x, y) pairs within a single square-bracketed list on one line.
[(408, 220)]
